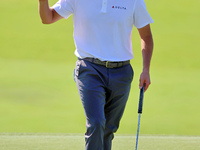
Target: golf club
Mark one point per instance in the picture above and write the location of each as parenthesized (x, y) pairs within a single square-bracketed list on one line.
[(140, 112)]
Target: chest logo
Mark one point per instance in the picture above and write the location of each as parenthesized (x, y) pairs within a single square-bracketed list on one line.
[(119, 7)]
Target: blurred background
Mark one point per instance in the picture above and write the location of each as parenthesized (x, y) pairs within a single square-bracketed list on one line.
[(37, 91)]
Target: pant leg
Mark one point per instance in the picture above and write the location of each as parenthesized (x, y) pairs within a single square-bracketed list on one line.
[(91, 89), (100, 87), (118, 92)]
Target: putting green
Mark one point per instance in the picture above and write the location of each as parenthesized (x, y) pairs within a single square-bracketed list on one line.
[(76, 142), (37, 91)]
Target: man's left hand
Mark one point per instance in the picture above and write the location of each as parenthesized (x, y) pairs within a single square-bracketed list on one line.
[(145, 78)]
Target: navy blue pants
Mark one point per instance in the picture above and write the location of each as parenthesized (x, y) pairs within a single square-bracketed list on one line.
[(104, 93)]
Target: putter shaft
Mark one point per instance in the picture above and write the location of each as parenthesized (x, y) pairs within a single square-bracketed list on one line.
[(138, 131), (139, 112)]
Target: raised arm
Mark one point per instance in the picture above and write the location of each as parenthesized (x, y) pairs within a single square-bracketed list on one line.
[(48, 15), (147, 50)]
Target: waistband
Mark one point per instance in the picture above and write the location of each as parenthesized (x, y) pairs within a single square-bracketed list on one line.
[(107, 64)]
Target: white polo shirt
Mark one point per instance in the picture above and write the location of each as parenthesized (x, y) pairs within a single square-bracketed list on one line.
[(103, 28)]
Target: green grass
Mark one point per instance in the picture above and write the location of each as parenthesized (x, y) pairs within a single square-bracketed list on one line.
[(38, 94), (42, 97), (76, 142)]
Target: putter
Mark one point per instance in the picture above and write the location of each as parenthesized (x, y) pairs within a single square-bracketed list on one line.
[(140, 112)]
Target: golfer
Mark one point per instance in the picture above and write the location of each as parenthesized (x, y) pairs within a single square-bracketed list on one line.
[(103, 73)]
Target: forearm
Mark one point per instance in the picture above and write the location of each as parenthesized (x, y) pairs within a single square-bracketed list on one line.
[(147, 50), (46, 14)]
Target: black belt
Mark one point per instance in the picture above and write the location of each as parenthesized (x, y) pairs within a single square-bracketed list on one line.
[(107, 64)]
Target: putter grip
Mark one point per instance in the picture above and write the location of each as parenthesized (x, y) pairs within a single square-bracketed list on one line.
[(141, 99)]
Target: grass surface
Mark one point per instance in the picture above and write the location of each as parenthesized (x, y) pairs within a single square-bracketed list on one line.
[(42, 97), (76, 142), (38, 94)]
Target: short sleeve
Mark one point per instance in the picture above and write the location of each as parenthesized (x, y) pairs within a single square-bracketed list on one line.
[(141, 16), (65, 8)]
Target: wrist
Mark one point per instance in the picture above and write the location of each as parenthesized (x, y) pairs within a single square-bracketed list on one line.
[(145, 69)]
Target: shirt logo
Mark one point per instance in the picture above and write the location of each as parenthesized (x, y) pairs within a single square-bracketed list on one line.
[(119, 7)]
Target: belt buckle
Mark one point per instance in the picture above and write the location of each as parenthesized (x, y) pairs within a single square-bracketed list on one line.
[(107, 64)]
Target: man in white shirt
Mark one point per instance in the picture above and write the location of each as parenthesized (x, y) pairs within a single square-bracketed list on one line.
[(103, 74)]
